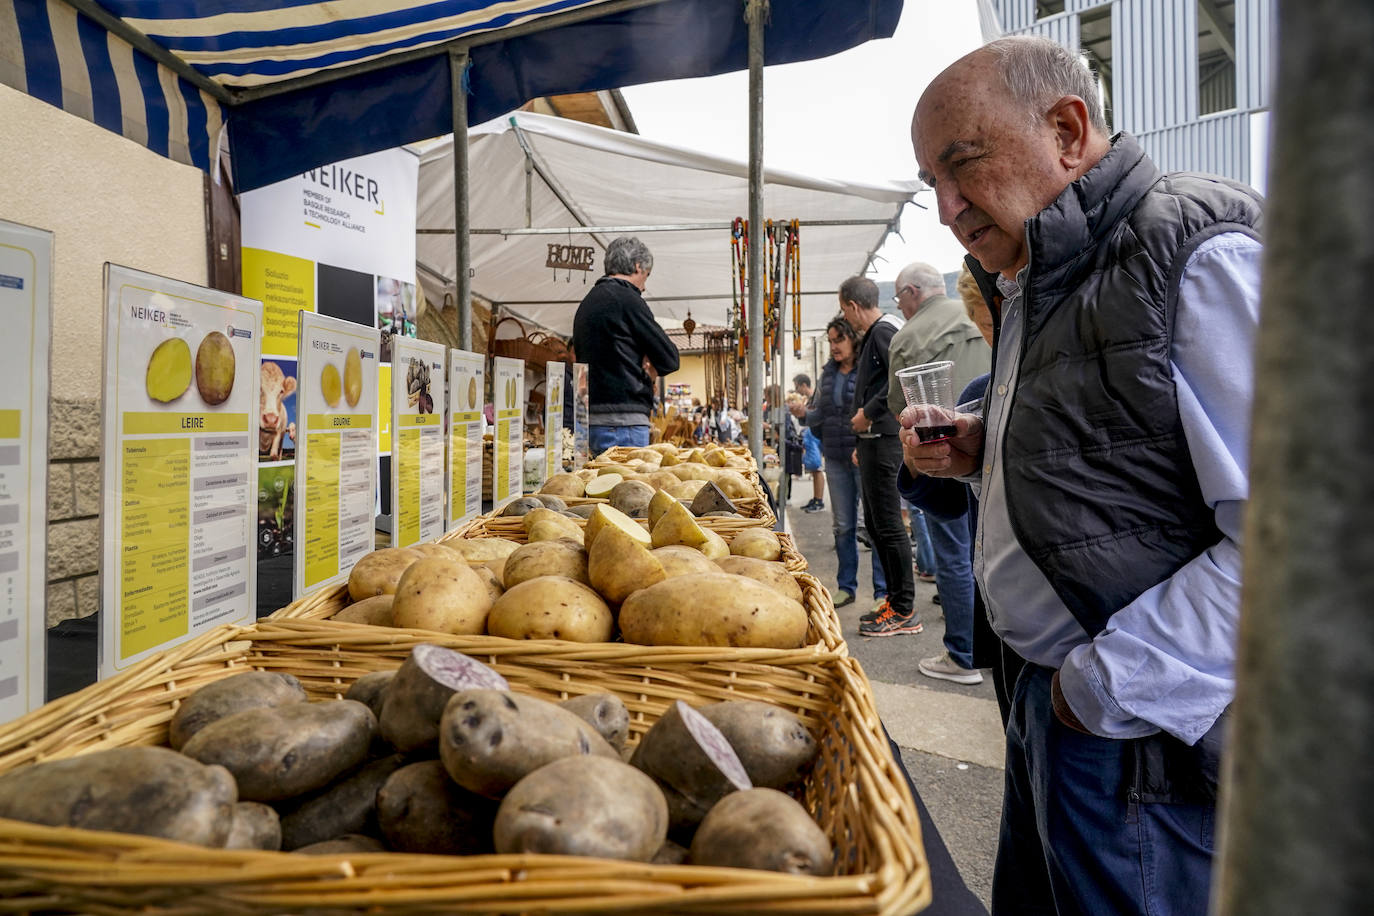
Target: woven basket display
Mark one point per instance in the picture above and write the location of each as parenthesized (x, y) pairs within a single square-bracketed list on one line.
[(856, 793)]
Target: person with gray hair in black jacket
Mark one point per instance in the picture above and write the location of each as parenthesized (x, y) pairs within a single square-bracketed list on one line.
[(625, 350)]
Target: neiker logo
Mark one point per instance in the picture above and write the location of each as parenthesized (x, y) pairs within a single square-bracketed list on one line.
[(354, 184)]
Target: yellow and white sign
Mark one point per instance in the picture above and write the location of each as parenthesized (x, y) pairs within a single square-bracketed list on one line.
[(180, 463), (553, 419), (508, 442), (418, 408), (336, 463), (466, 388), (25, 289)]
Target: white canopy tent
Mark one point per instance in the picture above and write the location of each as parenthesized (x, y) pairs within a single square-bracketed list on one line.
[(531, 172)]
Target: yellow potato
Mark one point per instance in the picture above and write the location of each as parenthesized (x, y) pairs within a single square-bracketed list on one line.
[(378, 572), (215, 368), (491, 579), (564, 485), (692, 472), (561, 558), (662, 480), (659, 504), (482, 550), (472, 393), (604, 515), (759, 543), (550, 530), (678, 560), (715, 546), (353, 377), (664, 448), (719, 609), (551, 607), (686, 489), (774, 575), (331, 387), (375, 611), (437, 593), (618, 564), (169, 370), (603, 484), (733, 484), (677, 526), (716, 457)]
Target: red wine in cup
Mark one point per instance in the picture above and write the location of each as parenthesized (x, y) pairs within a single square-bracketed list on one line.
[(935, 433)]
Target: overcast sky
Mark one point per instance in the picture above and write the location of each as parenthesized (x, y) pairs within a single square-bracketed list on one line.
[(846, 116)]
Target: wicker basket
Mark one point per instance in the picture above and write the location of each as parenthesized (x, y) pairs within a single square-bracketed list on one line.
[(618, 453), (856, 793)]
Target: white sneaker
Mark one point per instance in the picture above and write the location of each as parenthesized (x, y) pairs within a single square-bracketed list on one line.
[(943, 667)]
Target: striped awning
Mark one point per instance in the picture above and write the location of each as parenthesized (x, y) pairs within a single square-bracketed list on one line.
[(300, 84)]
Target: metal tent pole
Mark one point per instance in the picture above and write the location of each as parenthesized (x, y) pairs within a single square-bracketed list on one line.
[(457, 64), (755, 13), (1297, 811)]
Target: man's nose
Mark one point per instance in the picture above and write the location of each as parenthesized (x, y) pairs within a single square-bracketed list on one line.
[(949, 202)]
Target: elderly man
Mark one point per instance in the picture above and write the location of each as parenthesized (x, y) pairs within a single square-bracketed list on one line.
[(625, 350), (939, 328), (1110, 456)]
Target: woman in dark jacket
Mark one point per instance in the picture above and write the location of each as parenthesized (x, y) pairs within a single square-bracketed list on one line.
[(829, 421)]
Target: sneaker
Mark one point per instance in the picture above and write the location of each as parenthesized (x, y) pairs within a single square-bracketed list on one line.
[(890, 623), (877, 609), (935, 598), (946, 669), (815, 505), (864, 542), (843, 598), (925, 576)]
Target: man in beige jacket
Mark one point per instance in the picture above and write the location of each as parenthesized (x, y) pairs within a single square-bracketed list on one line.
[(939, 328)]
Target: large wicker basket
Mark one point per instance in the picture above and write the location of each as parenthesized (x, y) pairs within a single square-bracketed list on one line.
[(856, 793), (512, 527)]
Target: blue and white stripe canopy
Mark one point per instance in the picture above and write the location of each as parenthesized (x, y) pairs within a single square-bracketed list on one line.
[(299, 84)]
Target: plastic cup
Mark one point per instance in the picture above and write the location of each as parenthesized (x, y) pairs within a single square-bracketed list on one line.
[(929, 390)]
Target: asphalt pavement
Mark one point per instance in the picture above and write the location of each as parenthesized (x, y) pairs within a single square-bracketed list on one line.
[(950, 735)]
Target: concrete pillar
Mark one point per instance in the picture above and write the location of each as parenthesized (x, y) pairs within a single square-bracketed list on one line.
[(1297, 808)]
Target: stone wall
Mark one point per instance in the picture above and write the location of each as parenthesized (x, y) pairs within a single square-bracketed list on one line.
[(73, 508)]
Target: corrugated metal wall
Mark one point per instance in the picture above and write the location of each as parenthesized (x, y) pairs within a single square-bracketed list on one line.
[(1155, 80), (1061, 29), (1255, 50), (1218, 144)]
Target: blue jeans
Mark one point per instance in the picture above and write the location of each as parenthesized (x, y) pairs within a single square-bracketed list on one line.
[(842, 479), (920, 540), (1074, 842), (950, 539), (600, 438)]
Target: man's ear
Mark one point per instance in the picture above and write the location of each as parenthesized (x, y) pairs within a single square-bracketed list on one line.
[(1076, 137)]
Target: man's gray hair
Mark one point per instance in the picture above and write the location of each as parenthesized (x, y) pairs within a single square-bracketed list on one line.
[(627, 254), (923, 276), (1039, 72)]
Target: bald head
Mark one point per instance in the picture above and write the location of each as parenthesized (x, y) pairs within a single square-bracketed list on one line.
[(998, 140)]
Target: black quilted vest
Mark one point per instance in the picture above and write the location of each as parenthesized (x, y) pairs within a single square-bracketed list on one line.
[(1100, 485)]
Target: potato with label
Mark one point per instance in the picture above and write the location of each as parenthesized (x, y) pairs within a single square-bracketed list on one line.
[(215, 368), (169, 371), (353, 377)]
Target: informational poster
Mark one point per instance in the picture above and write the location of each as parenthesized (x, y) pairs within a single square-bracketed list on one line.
[(418, 408), (508, 440), (582, 416), (337, 454), (467, 383), (178, 462), (25, 291), (553, 419), (338, 240)]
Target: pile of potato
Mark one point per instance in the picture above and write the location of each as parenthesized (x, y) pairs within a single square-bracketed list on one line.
[(440, 756), (667, 582), (662, 466)]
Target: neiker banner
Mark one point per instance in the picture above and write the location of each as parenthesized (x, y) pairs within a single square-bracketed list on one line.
[(339, 241)]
